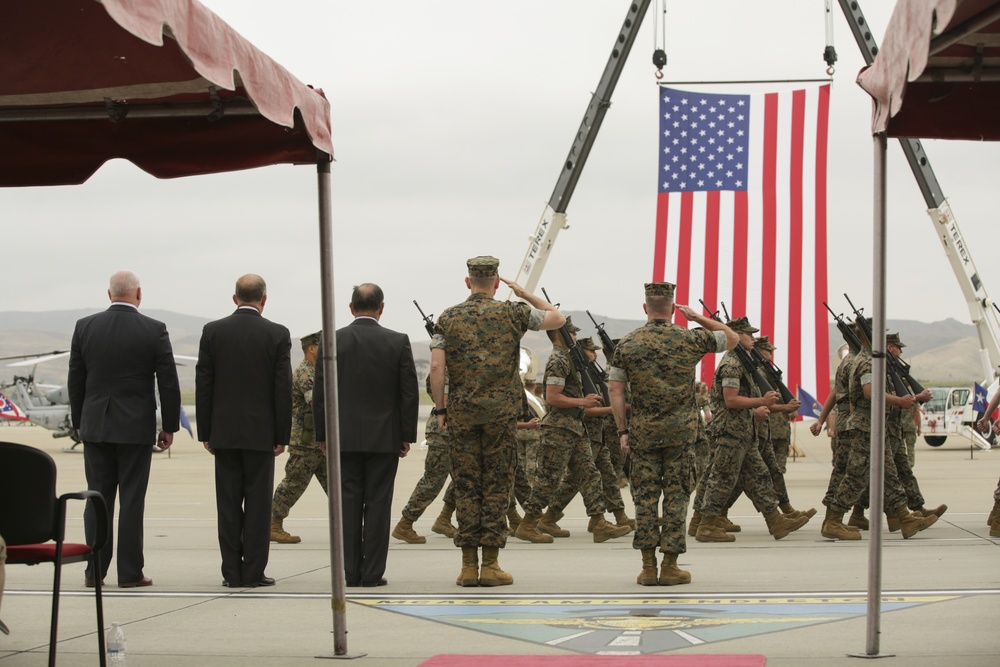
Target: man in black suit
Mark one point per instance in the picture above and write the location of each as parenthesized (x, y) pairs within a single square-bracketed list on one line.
[(243, 396), (377, 401), (114, 358)]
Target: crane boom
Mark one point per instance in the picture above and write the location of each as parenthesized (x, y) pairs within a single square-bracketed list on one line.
[(554, 216), (983, 316)]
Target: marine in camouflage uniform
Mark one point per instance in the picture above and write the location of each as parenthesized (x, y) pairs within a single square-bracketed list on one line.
[(658, 362), (478, 343), (985, 423), (528, 439), (437, 468), (855, 481), (528, 424), (895, 430), (594, 421), (566, 462), (305, 458), (702, 453), (739, 417)]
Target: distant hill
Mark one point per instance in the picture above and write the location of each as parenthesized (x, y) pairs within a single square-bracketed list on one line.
[(28, 333), (942, 352)]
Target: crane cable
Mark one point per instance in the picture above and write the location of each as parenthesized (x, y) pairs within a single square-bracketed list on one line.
[(659, 37)]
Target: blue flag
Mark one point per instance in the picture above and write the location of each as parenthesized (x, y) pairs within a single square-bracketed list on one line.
[(810, 406), (185, 423), (979, 404)]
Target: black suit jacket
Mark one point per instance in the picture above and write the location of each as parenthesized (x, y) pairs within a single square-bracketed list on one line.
[(113, 359), (243, 383), (376, 389)]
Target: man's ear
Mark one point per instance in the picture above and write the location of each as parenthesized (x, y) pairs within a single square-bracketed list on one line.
[(468, 283), (645, 309), (235, 301), (351, 306)]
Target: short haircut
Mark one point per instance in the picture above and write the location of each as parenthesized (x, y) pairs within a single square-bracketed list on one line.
[(659, 305), (482, 282), (250, 288), (123, 283), (367, 297)]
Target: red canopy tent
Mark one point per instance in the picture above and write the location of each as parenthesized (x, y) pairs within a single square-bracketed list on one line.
[(937, 76), (169, 86)]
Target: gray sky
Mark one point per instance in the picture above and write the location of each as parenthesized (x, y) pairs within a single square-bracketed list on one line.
[(451, 120)]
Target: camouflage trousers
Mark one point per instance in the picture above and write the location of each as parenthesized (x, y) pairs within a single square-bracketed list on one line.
[(609, 481), (702, 455), (527, 449), (661, 473), (437, 467), (896, 443), (614, 449), (565, 466), (911, 447), (781, 447), (483, 460), (774, 468), (303, 463), (736, 467), (521, 490), (854, 485), (840, 445), (996, 498)]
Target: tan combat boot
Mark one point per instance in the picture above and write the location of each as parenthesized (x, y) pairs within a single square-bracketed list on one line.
[(726, 524), (937, 511), (648, 575), (547, 524), (404, 531), (490, 573), (995, 527), (469, 576), (695, 522), (528, 530), (786, 508), (513, 518), (858, 519), (279, 535), (604, 531), (670, 574), (442, 524), (911, 523), (622, 519), (781, 525), (710, 530), (834, 529)]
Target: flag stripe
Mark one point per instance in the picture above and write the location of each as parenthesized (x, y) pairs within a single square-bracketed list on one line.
[(741, 222), (660, 249), (710, 286), (820, 317), (795, 240), (770, 192)]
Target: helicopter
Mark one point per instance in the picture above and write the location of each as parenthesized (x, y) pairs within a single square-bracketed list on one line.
[(47, 405)]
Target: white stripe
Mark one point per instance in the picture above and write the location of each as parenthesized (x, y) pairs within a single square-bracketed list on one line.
[(696, 281), (808, 332), (560, 640), (673, 239), (691, 639), (755, 203)]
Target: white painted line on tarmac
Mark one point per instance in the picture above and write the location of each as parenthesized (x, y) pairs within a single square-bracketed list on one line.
[(691, 639), (560, 640)]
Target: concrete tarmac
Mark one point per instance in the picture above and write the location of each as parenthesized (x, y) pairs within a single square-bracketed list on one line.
[(798, 601)]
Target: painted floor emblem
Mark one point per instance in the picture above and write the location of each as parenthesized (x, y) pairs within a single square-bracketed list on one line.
[(640, 625)]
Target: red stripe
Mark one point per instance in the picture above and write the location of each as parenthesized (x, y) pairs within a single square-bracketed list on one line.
[(794, 343), (710, 289), (822, 328), (769, 170), (684, 254), (660, 241), (740, 225)]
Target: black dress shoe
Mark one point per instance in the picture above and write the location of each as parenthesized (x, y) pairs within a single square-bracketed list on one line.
[(231, 584), (264, 581), (372, 584), (353, 584)]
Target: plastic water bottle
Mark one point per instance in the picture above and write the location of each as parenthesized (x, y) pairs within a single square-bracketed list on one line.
[(115, 644)]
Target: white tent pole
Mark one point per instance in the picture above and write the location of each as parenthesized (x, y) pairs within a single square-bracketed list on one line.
[(877, 480), (329, 361)]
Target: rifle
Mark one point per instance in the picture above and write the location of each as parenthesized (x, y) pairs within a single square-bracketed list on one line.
[(593, 383), (747, 361), (606, 342), (428, 319), (774, 374), (845, 329), (891, 362)]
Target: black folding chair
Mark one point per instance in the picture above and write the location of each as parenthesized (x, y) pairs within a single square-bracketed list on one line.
[(33, 523)]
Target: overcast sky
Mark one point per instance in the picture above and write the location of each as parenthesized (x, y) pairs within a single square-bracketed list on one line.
[(451, 120)]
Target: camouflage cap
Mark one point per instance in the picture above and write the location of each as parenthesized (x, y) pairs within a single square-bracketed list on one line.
[(764, 344), (660, 289), (588, 344), (483, 266), (893, 339), (741, 325), (311, 339), (572, 328)]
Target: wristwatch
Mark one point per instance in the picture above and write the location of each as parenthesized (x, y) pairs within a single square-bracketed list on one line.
[(438, 411), (624, 431)]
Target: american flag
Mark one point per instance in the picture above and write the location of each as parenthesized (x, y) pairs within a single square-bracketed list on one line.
[(10, 411), (741, 216)]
